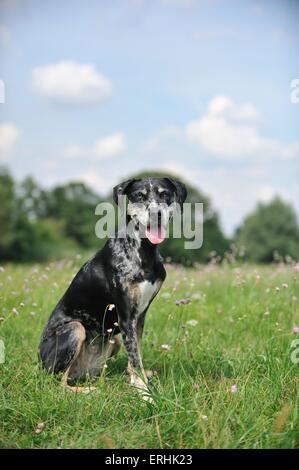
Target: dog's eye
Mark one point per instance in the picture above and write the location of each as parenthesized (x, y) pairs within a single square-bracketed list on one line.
[(164, 194), (139, 196)]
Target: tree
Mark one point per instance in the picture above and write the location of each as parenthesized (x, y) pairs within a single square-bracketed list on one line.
[(32, 199), (270, 228), (26, 234), (39, 240), (7, 212), (74, 203)]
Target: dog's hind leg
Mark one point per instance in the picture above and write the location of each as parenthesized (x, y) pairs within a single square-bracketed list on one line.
[(81, 336), (94, 356), (59, 351)]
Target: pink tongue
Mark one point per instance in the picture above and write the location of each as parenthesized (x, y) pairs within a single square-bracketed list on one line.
[(155, 236)]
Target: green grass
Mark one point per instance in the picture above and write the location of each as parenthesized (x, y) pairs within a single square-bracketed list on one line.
[(233, 343)]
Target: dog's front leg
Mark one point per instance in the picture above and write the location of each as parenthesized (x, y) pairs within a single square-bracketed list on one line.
[(129, 327), (130, 339)]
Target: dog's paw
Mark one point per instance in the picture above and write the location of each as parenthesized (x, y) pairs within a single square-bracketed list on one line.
[(146, 397), (141, 386)]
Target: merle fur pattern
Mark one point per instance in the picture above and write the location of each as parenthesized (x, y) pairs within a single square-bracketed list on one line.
[(127, 273)]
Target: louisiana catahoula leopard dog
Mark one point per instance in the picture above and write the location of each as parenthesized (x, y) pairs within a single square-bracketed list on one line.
[(111, 293)]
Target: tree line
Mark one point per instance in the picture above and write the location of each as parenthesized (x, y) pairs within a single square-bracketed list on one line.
[(38, 224)]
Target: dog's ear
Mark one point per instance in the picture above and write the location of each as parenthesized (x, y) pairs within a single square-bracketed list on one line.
[(121, 189), (180, 190)]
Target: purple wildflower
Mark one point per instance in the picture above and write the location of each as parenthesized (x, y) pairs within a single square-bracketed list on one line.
[(182, 301)]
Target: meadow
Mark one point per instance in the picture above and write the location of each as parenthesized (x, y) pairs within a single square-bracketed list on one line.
[(223, 378)]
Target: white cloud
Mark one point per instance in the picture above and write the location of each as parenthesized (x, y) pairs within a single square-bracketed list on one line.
[(231, 131), (107, 147), (110, 146), (265, 193), (71, 83), (9, 136), (92, 176), (177, 168), (291, 151), (223, 106), (95, 182)]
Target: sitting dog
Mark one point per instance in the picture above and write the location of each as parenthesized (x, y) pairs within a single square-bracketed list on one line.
[(113, 290)]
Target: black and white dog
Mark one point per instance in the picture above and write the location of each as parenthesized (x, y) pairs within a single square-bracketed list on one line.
[(113, 290)]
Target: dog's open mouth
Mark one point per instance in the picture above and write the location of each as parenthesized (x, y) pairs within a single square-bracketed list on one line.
[(155, 235)]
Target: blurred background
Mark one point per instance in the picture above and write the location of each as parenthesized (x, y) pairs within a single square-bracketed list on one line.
[(100, 91)]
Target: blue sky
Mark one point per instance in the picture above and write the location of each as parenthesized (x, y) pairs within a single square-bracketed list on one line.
[(98, 90)]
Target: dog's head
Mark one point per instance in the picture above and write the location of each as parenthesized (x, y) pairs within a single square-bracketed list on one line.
[(151, 203)]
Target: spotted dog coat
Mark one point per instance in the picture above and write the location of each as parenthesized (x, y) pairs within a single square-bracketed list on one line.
[(112, 291)]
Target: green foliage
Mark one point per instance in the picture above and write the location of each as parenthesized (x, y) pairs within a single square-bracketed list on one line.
[(37, 225), (270, 230), (39, 240), (75, 204), (32, 199), (7, 210)]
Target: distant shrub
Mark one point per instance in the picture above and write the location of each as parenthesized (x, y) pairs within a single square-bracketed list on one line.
[(272, 228)]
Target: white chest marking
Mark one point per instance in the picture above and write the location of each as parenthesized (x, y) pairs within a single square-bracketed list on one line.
[(147, 290)]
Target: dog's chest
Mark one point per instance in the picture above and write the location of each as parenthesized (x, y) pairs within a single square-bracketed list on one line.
[(126, 260), (146, 292)]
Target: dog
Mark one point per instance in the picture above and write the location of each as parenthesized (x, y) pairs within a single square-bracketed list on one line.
[(111, 293)]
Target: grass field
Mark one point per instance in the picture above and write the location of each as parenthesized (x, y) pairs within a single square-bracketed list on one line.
[(227, 381)]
